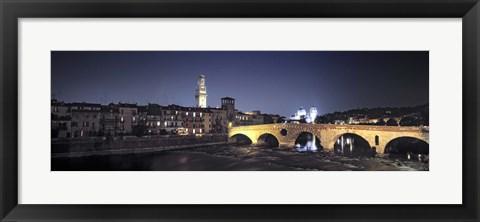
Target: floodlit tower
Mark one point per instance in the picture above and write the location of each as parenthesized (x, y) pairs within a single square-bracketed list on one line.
[(313, 113), (201, 94)]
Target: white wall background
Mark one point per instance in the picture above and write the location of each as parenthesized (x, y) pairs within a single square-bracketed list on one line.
[(441, 185)]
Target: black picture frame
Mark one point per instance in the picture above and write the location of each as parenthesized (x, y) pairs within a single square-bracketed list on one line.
[(12, 10)]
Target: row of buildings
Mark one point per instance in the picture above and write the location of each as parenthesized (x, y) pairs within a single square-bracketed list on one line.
[(91, 120)]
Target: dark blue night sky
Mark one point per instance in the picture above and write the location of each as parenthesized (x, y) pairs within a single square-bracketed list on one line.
[(276, 82)]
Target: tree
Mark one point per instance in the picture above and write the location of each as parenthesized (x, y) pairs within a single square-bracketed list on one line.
[(139, 130), (281, 119), (410, 121), (267, 119), (392, 122), (101, 133), (303, 120), (425, 117), (322, 119), (54, 133), (381, 122), (163, 132)]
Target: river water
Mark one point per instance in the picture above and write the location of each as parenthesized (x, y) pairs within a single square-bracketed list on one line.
[(231, 158)]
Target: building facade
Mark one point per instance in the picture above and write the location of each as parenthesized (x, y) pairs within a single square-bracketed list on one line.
[(153, 120), (110, 120), (173, 118), (128, 117), (243, 119), (61, 120), (83, 120), (228, 104), (198, 121), (219, 120)]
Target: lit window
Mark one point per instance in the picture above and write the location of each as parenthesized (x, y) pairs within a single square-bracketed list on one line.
[(193, 131), (200, 130), (187, 113), (200, 114), (133, 119), (193, 114), (158, 123), (165, 123)]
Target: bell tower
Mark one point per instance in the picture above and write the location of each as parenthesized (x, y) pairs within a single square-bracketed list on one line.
[(201, 93)]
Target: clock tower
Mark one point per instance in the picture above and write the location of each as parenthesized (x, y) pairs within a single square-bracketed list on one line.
[(201, 94)]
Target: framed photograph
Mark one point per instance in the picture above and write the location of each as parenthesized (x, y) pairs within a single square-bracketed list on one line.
[(185, 132), (278, 110)]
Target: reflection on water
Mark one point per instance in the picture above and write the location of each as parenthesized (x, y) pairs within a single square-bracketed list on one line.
[(160, 161)]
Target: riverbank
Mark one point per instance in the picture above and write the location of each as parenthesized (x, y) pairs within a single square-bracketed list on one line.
[(75, 147)]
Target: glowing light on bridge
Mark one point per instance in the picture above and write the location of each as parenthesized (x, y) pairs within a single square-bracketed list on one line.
[(309, 147)]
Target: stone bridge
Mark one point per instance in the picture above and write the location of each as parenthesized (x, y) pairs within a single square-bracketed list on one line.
[(377, 136)]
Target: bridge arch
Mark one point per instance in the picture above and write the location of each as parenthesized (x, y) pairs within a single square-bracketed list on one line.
[(352, 144), (268, 139), (241, 138), (408, 147), (303, 137)]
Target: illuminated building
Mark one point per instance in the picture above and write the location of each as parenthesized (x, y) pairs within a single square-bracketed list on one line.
[(152, 117), (198, 121), (301, 114), (242, 119), (313, 114), (173, 117)]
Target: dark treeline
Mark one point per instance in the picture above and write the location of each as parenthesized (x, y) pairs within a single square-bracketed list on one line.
[(403, 116)]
